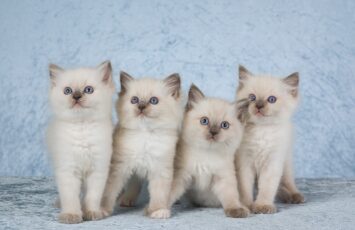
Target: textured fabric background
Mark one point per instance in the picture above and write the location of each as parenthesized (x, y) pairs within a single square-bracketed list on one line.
[(202, 40)]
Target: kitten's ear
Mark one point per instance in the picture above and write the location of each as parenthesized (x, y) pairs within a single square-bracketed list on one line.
[(54, 71), (195, 95), (244, 74), (106, 69), (173, 83), (292, 81), (242, 110), (125, 78)]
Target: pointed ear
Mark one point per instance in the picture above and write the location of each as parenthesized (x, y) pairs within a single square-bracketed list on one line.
[(106, 69), (242, 110), (292, 81), (244, 75), (54, 71), (125, 78), (195, 95), (173, 83)]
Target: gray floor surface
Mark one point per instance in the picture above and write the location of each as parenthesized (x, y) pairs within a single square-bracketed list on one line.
[(27, 203)]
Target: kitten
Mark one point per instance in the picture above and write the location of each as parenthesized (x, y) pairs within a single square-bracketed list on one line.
[(204, 163), (150, 114), (265, 153), (80, 138)]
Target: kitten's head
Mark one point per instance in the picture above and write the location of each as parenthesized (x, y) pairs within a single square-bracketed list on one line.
[(265, 99), (81, 93), (211, 121), (149, 102)]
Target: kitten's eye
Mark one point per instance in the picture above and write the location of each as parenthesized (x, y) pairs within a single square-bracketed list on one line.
[(204, 121), (154, 100), (68, 90), (225, 125), (271, 99), (88, 90), (252, 97), (134, 100)]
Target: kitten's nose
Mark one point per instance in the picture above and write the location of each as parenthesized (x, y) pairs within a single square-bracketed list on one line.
[(77, 95), (214, 131), (141, 107), (259, 104)]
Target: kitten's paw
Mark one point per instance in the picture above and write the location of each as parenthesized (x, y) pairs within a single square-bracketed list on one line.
[(70, 218), (264, 208), (160, 214), (237, 212), (106, 212), (127, 202), (295, 198), (93, 215)]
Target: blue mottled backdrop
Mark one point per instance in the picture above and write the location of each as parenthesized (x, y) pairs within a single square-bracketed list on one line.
[(202, 40)]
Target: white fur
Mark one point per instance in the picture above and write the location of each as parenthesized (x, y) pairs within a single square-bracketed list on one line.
[(145, 145), (80, 140), (265, 153), (204, 167)]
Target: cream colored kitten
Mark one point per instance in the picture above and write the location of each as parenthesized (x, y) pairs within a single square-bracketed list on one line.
[(80, 138), (150, 115), (265, 153), (204, 164)]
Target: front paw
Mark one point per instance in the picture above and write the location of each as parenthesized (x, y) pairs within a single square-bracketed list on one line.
[(93, 215), (263, 208), (160, 214), (70, 218), (237, 212)]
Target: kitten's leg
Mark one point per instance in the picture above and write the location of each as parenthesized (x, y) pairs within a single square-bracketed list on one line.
[(226, 189), (117, 179), (288, 192), (69, 193), (131, 192), (159, 189), (95, 185), (246, 181), (268, 183), (180, 183)]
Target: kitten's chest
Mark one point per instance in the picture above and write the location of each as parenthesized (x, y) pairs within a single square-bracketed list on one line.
[(261, 143)]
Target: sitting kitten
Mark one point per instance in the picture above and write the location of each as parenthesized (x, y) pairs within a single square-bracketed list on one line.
[(80, 138), (150, 115), (204, 163), (265, 153)]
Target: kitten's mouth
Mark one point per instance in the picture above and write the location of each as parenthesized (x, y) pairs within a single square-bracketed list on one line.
[(258, 113), (77, 104)]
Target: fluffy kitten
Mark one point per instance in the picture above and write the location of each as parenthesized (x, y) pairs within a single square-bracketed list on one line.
[(80, 138), (265, 153), (204, 163), (150, 115)]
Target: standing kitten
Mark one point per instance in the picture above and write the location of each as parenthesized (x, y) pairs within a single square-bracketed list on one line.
[(204, 164), (265, 153), (80, 138), (150, 115)]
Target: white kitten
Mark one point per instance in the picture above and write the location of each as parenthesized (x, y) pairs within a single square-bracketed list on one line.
[(80, 138), (265, 153), (150, 115), (204, 163)]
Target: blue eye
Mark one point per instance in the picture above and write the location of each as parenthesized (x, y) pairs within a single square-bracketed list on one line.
[(204, 121), (134, 100), (154, 100), (225, 125), (68, 90), (271, 99), (89, 90), (252, 97)]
